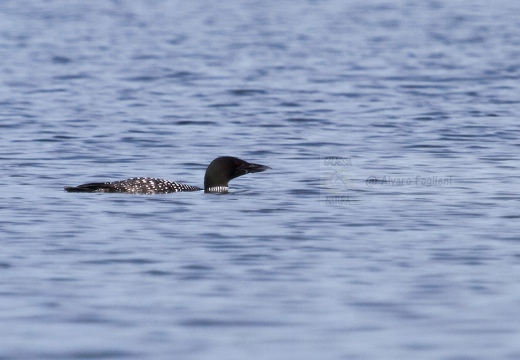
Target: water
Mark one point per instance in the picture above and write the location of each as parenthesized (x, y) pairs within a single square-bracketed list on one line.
[(388, 227)]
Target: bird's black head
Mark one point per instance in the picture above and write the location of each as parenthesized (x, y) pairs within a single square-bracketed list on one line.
[(224, 168)]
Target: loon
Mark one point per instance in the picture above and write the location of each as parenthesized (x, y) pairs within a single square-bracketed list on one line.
[(219, 172)]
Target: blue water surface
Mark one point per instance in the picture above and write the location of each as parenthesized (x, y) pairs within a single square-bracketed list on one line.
[(386, 229)]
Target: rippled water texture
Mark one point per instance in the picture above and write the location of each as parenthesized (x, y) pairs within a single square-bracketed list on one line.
[(387, 228)]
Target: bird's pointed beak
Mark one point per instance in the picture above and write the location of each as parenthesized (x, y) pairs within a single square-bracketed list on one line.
[(254, 168)]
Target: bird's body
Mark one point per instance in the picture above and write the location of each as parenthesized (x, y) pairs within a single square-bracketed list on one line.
[(218, 174), (140, 185)]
